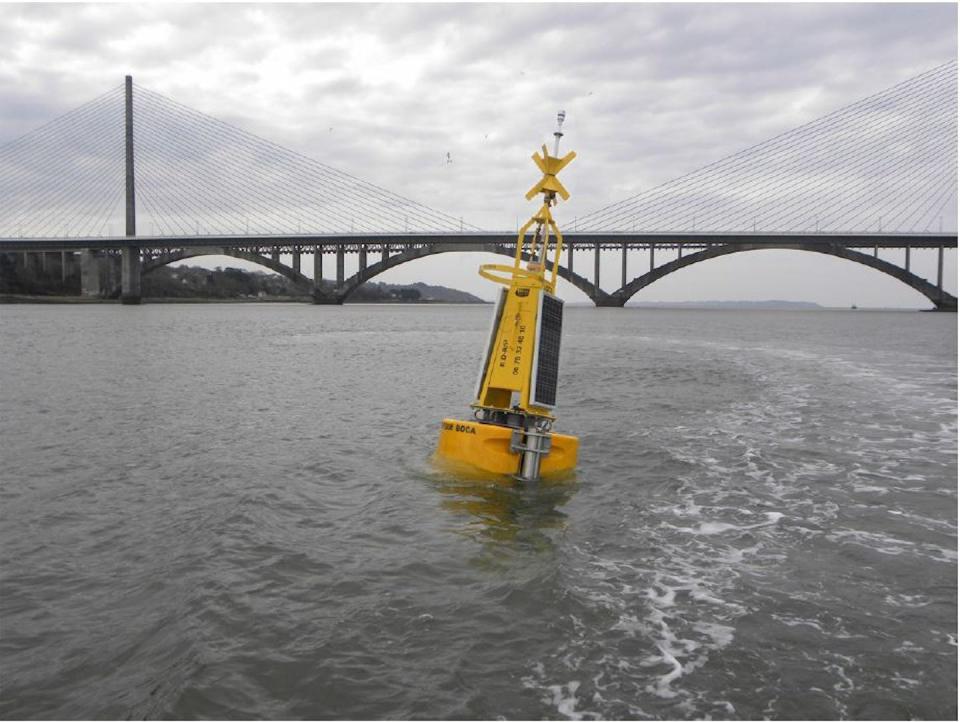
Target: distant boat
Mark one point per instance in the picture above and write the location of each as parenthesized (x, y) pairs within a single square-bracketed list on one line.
[(853, 307)]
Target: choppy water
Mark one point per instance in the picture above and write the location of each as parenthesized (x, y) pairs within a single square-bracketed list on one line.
[(229, 511)]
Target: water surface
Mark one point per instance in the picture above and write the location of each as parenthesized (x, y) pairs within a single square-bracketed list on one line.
[(215, 511)]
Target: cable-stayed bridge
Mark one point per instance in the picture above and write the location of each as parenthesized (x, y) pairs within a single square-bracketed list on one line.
[(877, 174)]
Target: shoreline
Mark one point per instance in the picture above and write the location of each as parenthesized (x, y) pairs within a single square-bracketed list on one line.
[(20, 299), (13, 299)]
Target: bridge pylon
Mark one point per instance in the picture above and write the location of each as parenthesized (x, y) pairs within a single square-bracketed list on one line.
[(130, 255)]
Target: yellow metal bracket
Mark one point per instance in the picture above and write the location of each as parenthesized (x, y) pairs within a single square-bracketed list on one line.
[(551, 187), (550, 167)]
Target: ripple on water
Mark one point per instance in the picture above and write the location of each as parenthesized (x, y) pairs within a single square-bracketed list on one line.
[(233, 516)]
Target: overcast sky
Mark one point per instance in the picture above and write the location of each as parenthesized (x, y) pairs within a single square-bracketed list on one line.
[(385, 92)]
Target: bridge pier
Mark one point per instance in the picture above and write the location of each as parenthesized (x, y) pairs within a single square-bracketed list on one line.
[(52, 264), (612, 300), (623, 267), (296, 260), (33, 263), (89, 274), (98, 276), (596, 265), (130, 276), (363, 256), (940, 270), (66, 265), (320, 298), (339, 267)]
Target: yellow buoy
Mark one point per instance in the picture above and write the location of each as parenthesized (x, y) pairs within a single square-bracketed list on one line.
[(512, 428)]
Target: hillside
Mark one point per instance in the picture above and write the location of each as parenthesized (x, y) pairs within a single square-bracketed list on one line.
[(233, 283)]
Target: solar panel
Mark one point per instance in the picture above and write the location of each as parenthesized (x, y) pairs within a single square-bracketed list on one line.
[(546, 365), (492, 338)]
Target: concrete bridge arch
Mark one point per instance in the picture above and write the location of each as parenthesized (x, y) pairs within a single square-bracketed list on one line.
[(302, 281), (940, 298), (351, 284), (365, 274)]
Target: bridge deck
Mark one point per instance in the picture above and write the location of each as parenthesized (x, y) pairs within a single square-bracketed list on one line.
[(352, 242)]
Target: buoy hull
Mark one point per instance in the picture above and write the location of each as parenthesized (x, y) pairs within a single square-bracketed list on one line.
[(487, 449)]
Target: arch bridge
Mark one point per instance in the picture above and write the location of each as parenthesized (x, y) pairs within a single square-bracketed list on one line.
[(377, 254), (886, 161), (388, 254)]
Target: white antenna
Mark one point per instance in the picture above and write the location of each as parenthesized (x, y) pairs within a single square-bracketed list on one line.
[(558, 133)]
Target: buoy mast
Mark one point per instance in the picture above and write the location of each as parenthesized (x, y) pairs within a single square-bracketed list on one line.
[(512, 432)]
